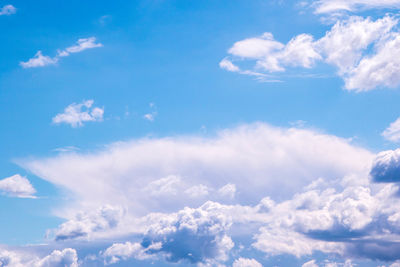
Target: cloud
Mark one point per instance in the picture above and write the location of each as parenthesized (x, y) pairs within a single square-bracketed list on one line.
[(154, 196), (244, 262), (8, 10), (57, 258), (310, 263), (66, 257), (86, 224), (17, 186), (197, 191), (392, 133), (76, 114), (256, 158), (227, 190), (386, 167), (127, 250), (39, 60), (190, 235), (333, 6), (151, 115), (82, 44), (360, 48)]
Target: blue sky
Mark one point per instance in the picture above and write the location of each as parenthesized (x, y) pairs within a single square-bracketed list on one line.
[(205, 133)]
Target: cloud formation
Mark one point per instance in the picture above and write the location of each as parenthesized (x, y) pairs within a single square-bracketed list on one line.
[(334, 6), (392, 133), (386, 167), (8, 10), (58, 258), (17, 186), (39, 60), (190, 235), (244, 262), (76, 114), (144, 175), (361, 49), (85, 224)]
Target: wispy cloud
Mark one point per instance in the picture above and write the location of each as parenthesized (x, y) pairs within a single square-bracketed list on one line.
[(151, 115), (76, 114), (40, 60), (392, 133), (8, 10), (334, 6)]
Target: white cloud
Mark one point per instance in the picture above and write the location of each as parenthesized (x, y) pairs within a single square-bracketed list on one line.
[(244, 262), (332, 6), (386, 166), (66, 257), (361, 49), (151, 115), (164, 186), (343, 45), (82, 44), (197, 191), (257, 158), (8, 10), (17, 186), (191, 235), (127, 250), (379, 70), (228, 190), (392, 133), (228, 65), (39, 60), (310, 263), (76, 114), (58, 258), (272, 55), (86, 224)]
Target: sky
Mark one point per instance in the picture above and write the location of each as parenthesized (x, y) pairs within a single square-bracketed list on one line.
[(200, 133)]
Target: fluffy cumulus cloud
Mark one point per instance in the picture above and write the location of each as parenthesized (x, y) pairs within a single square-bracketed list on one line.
[(17, 186), (8, 10), (392, 133), (76, 114), (40, 60), (386, 166), (86, 224), (127, 250), (58, 258), (361, 49), (184, 199), (190, 235)]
